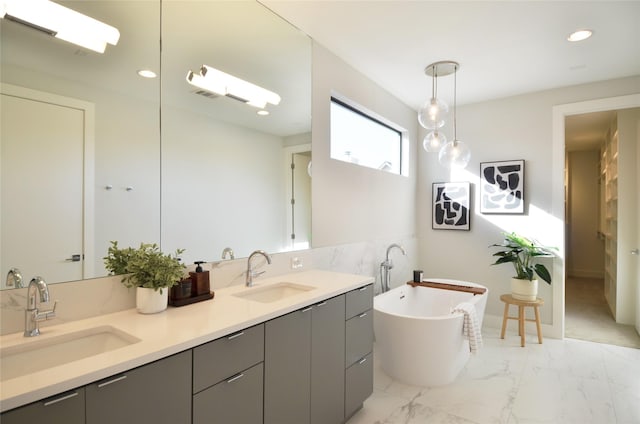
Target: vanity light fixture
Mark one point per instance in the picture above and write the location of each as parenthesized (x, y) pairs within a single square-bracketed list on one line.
[(455, 153), (579, 35), (223, 84), (60, 22)]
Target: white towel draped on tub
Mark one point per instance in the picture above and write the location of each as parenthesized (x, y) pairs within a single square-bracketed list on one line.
[(470, 327)]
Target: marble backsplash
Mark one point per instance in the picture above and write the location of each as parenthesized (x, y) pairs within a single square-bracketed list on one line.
[(84, 299)]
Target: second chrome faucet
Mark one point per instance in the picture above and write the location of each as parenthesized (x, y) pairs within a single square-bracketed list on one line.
[(250, 272)]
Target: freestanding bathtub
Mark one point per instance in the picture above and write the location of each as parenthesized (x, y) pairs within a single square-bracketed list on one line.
[(419, 340)]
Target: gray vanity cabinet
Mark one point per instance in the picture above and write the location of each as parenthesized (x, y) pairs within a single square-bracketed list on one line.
[(228, 379), (64, 408), (287, 373), (327, 361), (304, 365), (359, 348), (156, 393)]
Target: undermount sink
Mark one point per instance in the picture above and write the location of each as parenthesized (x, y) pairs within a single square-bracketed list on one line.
[(37, 355), (273, 292)]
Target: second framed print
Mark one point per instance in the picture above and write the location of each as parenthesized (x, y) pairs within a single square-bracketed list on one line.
[(502, 187)]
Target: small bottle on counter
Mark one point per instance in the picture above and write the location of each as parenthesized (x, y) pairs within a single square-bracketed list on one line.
[(200, 280)]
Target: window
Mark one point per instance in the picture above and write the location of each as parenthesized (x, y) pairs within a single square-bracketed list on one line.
[(360, 139)]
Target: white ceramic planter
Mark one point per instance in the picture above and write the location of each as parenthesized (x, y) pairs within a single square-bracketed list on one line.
[(524, 289), (150, 301)]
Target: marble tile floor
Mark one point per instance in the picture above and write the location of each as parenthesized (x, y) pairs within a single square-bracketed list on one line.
[(558, 382)]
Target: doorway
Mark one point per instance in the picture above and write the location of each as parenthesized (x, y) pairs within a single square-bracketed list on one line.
[(596, 279)]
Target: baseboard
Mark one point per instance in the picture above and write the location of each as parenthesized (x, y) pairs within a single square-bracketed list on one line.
[(585, 273)]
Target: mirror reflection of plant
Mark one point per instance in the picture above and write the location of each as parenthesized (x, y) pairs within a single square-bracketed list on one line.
[(523, 254), (145, 266)]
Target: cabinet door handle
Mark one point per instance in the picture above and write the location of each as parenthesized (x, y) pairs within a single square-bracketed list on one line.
[(233, 336), (321, 304), (307, 309), (362, 315), (61, 398), (235, 377), (363, 288), (115, 380), (362, 361)]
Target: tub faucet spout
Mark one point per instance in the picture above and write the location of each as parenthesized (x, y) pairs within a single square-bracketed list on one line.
[(387, 265)]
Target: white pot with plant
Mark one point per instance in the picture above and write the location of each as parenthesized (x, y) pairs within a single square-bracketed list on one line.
[(524, 253), (147, 269)]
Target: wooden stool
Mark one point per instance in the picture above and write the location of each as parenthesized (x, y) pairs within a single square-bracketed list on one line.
[(535, 304)]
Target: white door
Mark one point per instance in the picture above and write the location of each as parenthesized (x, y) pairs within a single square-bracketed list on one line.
[(636, 250), (627, 277), (42, 189)]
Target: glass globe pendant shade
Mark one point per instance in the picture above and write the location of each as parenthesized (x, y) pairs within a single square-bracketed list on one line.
[(454, 154), (434, 141), (433, 114)]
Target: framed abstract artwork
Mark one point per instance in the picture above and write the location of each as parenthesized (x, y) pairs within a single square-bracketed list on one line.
[(502, 187), (450, 210)]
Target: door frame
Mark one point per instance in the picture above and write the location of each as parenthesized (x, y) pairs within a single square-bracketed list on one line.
[(559, 113), (88, 183)]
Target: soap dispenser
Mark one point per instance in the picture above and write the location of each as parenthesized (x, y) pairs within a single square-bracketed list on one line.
[(200, 280)]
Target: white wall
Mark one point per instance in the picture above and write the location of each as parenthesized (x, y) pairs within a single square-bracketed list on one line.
[(585, 251), (518, 127), (205, 167), (353, 203)]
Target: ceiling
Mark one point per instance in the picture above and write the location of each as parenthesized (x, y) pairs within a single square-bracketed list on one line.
[(504, 48)]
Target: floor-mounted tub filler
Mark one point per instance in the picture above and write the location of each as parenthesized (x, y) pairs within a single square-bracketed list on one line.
[(419, 337)]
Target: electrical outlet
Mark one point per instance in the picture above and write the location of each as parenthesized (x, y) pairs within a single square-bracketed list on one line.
[(296, 263)]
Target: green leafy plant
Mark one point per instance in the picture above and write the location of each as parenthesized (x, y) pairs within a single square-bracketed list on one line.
[(145, 266), (523, 254)]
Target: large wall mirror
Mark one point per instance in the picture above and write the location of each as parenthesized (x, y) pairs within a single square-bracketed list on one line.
[(92, 152)]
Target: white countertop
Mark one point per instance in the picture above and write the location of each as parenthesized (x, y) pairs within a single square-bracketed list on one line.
[(166, 333)]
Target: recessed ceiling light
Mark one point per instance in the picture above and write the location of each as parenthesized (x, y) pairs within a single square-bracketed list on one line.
[(146, 73), (580, 35), (263, 112)]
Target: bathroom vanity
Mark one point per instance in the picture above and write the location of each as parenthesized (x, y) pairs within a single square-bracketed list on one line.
[(292, 349)]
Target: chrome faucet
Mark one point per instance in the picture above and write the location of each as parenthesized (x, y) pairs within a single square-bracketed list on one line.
[(250, 272), (14, 279), (227, 250), (386, 266), (32, 316)]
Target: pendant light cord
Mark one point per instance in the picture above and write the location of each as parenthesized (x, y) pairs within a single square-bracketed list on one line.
[(455, 108)]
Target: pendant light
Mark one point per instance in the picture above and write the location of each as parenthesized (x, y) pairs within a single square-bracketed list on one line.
[(455, 153)]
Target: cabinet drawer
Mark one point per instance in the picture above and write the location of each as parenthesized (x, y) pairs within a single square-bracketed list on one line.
[(359, 300), (65, 408), (237, 399), (156, 393), (227, 356), (358, 384), (359, 336)]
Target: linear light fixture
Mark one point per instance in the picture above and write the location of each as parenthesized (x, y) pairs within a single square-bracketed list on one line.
[(223, 84), (60, 22)]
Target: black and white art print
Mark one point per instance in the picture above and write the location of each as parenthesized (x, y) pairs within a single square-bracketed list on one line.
[(451, 206), (502, 187)]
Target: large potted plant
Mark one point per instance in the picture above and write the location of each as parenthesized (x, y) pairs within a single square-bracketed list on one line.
[(524, 253), (147, 269)]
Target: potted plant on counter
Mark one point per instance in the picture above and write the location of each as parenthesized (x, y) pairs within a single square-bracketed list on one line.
[(524, 253), (147, 269)]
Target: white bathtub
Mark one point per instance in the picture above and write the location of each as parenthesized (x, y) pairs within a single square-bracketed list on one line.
[(418, 340)]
